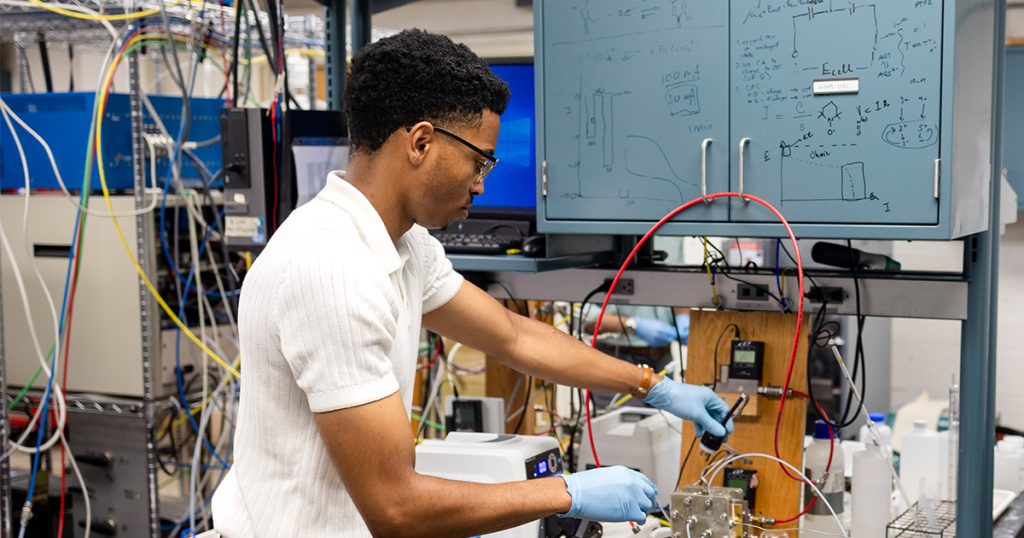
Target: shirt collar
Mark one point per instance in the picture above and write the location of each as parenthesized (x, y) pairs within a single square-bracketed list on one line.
[(368, 223)]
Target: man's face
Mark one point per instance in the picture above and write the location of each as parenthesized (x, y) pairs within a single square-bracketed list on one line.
[(453, 180)]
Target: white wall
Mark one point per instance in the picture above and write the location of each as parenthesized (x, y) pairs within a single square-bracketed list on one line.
[(926, 353)]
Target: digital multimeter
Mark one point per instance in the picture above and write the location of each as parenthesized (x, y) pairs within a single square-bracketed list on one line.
[(747, 360)]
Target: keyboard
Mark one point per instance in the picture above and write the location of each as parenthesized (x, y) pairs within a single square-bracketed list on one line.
[(472, 243)]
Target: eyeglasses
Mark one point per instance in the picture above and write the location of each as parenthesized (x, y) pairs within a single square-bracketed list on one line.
[(483, 168)]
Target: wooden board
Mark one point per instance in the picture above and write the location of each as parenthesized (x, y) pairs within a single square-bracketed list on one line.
[(501, 380), (777, 495)]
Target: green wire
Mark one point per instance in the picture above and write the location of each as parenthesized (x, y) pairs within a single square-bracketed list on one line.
[(430, 423), (17, 399)]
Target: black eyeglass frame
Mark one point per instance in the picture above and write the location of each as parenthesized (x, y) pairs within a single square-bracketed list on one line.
[(492, 161)]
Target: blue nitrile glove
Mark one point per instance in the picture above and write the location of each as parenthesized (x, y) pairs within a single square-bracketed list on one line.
[(691, 402), (659, 333), (655, 332), (610, 494)]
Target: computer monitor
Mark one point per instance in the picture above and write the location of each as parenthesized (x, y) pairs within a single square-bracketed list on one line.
[(511, 188)]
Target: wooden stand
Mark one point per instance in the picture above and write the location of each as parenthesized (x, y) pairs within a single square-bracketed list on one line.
[(778, 496)]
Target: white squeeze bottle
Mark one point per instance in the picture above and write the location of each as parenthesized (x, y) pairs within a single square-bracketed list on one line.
[(831, 485), (872, 493), (884, 431), (1007, 466), (920, 461)]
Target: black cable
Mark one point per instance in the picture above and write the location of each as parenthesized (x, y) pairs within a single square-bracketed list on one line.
[(263, 37), (625, 330), (586, 300), (718, 344), (526, 404), (234, 54), (859, 362), (682, 467), (44, 58), (525, 310), (859, 365), (548, 388), (71, 67), (679, 338), (792, 259)]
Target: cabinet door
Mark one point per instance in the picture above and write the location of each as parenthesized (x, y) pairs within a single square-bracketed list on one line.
[(631, 90), (836, 105)]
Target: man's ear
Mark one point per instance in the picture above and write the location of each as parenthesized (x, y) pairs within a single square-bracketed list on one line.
[(419, 141)]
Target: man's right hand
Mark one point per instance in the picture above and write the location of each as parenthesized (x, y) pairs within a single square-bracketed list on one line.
[(611, 494)]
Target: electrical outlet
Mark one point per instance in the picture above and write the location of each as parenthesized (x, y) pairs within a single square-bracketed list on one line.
[(831, 295), (746, 292), (624, 287)]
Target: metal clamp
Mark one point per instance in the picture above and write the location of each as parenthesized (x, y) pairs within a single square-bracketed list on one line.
[(704, 169), (743, 146)]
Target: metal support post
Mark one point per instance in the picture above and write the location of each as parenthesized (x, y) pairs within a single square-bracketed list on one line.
[(6, 516), (144, 222), (337, 52), (978, 341), (23, 74), (308, 26), (361, 27)]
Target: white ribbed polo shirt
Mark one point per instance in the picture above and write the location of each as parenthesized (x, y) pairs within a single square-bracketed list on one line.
[(329, 317)]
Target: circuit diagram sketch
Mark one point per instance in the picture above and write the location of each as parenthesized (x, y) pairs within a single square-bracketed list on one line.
[(604, 19), (856, 24), (605, 150)]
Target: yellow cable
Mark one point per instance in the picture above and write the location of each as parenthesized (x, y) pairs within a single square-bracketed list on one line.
[(262, 58), (199, 406), (90, 17), (104, 88)]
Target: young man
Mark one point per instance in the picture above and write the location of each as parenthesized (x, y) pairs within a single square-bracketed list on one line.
[(330, 319)]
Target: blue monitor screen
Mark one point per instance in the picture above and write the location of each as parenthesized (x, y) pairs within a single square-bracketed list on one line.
[(513, 183)]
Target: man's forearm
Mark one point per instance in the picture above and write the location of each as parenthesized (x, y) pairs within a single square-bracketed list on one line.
[(431, 506), (543, 351)]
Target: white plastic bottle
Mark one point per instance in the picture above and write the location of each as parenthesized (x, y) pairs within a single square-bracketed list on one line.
[(1017, 441), (831, 484), (884, 431), (920, 461), (1007, 466), (872, 493)]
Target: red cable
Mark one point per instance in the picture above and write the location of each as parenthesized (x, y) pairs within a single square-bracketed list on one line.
[(64, 379), (799, 313), (828, 465), (272, 226)]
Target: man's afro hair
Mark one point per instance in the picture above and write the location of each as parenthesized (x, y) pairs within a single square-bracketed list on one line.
[(416, 76)]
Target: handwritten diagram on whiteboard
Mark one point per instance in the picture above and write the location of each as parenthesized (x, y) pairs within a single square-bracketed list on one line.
[(840, 100), (631, 94)]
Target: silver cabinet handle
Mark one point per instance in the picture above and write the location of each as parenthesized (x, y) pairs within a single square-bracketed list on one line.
[(704, 169), (743, 147)]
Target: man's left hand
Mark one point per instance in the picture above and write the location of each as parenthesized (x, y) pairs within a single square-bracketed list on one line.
[(691, 402)]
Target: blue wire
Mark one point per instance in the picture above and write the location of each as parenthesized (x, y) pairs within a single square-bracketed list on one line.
[(177, 367), (41, 427)]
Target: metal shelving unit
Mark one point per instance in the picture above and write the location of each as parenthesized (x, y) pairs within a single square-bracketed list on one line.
[(23, 26)]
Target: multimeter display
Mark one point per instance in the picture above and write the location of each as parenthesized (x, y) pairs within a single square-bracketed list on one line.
[(744, 357), (747, 359)]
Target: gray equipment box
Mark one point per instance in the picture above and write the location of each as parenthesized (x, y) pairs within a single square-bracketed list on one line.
[(855, 119), (106, 333)]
